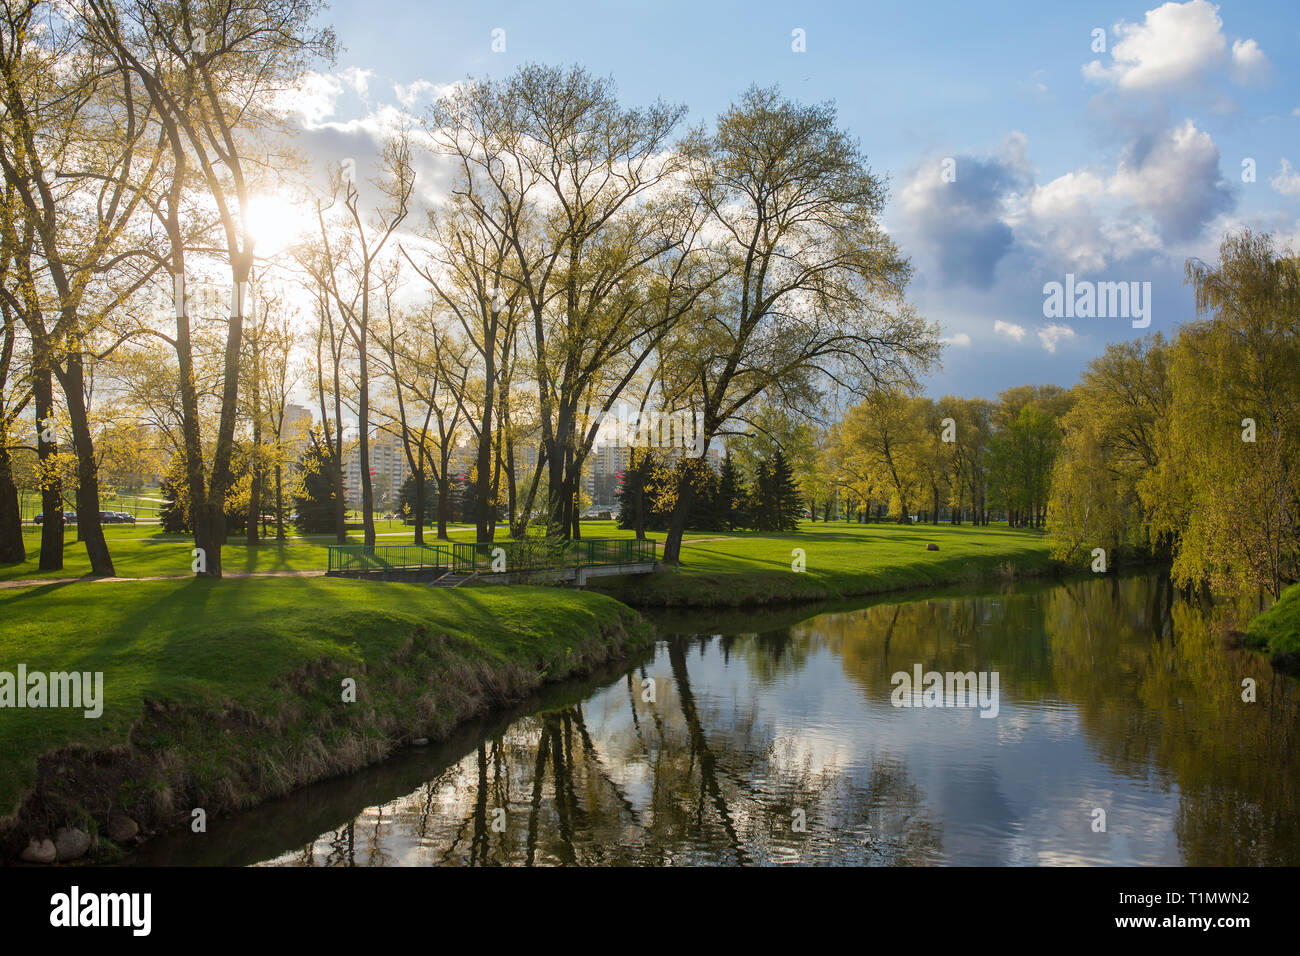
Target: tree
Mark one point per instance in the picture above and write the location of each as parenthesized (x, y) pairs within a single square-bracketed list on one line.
[(211, 70), (733, 497), (314, 498), (882, 438), (1103, 491), (1233, 453), (786, 508), (814, 288), (358, 261), (634, 496), (417, 506), (76, 163), (604, 263)]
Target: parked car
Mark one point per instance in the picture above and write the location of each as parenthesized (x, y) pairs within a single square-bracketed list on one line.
[(125, 518), (109, 517)]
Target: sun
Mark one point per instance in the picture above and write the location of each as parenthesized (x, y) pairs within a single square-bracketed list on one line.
[(276, 223)]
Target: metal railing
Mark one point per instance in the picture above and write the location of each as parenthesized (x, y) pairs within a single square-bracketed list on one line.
[(512, 556)]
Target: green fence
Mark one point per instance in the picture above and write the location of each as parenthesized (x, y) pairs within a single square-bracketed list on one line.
[(462, 557)]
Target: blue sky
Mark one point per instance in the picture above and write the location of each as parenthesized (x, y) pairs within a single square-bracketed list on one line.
[(1113, 165)]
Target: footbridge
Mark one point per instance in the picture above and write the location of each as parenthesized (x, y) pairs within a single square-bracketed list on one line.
[(526, 561)]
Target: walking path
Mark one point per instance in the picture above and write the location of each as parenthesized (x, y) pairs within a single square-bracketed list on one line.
[(38, 582)]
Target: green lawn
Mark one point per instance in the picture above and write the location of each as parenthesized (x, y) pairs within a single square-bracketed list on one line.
[(837, 554), (839, 560), (217, 644), (148, 551)]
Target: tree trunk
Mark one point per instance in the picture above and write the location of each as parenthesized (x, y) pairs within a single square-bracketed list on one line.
[(51, 484), (444, 488), (89, 528), (363, 423), (418, 478), (254, 465), (279, 502), (12, 549)]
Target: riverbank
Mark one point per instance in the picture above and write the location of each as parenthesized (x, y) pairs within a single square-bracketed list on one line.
[(1277, 630), (220, 694)]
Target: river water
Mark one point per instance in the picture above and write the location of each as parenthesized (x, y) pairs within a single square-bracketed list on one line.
[(1120, 737)]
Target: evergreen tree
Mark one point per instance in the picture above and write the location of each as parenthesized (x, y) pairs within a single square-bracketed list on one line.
[(761, 498), (787, 504), (633, 492), (314, 500), (406, 500), (732, 494)]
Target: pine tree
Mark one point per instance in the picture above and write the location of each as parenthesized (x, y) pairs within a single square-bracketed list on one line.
[(314, 500), (732, 495), (787, 503), (633, 492), (406, 500), (760, 499)]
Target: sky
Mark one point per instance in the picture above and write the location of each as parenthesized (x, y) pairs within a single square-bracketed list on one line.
[(1022, 142)]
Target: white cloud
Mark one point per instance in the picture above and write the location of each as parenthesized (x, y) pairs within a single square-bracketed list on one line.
[(358, 79), (1287, 182), (1010, 330), (1052, 334), (408, 94), (315, 99), (960, 338), (1176, 45), (1175, 179), (1248, 61)]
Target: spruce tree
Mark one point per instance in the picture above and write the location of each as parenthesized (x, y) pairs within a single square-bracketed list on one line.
[(632, 495), (787, 503), (314, 500), (406, 501)]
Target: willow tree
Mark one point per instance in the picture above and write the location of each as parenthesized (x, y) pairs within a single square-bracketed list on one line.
[(1233, 458), (1104, 483), (814, 290)]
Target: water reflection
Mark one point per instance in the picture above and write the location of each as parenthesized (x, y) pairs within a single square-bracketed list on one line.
[(781, 746)]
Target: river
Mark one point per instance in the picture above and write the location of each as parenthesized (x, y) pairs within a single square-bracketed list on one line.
[(771, 737)]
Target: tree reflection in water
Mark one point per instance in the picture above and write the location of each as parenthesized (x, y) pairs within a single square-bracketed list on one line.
[(746, 733)]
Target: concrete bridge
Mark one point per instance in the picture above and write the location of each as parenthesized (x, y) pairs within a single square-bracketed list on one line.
[(527, 561)]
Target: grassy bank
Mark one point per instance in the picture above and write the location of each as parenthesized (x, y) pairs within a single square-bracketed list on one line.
[(1278, 628), (221, 694), (839, 561)]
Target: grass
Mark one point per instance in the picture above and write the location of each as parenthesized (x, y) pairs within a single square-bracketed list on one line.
[(841, 558), (148, 551), (221, 693), (1278, 628), (254, 666)]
